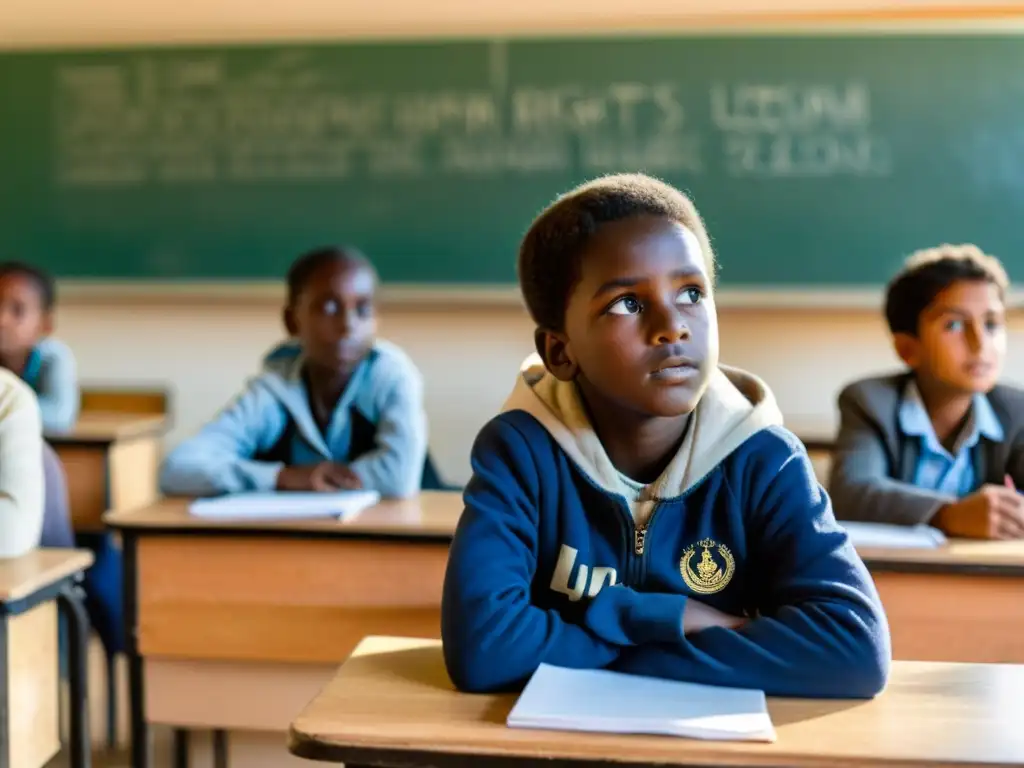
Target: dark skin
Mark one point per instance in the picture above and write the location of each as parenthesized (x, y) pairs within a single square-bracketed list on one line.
[(334, 318), (957, 352), (23, 321), (640, 341), (641, 305)]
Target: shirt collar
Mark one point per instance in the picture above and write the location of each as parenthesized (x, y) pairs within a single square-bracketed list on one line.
[(981, 421), (33, 367)]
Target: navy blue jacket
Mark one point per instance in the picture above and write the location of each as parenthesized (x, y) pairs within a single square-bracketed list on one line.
[(549, 564)]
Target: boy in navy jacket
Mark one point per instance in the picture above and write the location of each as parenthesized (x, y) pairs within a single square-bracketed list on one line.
[(638, 506)]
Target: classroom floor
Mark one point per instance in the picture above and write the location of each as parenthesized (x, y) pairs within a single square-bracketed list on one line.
[(119, 758), (250, 750), (102, 757)]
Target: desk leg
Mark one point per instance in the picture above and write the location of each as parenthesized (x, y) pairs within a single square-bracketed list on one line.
[(181, 745), (111, 662), (220, 749), (137, 702), (5, 705), (71, 601)]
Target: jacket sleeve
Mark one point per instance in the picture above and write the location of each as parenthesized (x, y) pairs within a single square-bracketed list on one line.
[(494, 638), (59, 397), (1012, 405), (21, 469), (395, 466), (819, 631), (859, 481), (220, 458), (1015, 464)]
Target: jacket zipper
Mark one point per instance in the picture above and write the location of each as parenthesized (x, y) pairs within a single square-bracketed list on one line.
[(639, 540), (640, 532), (632, 564), (640, 545)]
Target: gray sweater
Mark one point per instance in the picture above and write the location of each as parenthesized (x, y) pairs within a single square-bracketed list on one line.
[(874, 462)]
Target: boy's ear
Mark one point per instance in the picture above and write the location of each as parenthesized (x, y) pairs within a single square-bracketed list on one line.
[(47, 323), (908, 348), (554, 349), (288, 316)]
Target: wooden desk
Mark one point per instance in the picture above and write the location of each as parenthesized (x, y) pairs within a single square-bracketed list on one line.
[(32, 588), (236, 610), (112, 462), (219, 614), (136, 400), (391, 704), (963, 602)]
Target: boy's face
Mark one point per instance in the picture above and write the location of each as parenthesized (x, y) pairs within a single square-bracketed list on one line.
[(961, 339), (334, 316), (640, 326), (23, 321)]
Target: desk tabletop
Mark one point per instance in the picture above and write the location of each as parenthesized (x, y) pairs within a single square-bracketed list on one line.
[(99, 427), (392, 704), (958, 556), (25, 575), (431, 515), (434, 515)]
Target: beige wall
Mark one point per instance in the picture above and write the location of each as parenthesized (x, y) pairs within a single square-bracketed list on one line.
[(468, 355)]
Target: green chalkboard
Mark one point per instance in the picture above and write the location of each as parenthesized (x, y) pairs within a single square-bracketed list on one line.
[(818, 160)]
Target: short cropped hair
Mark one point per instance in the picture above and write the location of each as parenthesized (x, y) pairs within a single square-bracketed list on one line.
[(552, 249), (42, 280), (929, 272), (306, 265)]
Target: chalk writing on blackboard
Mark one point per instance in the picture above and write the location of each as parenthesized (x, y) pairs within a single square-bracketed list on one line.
[(193, 119)]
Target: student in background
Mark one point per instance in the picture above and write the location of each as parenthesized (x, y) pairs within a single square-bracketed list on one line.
[(21, 468), (941, 443), (27, 300), (334, 409), (637, 505)]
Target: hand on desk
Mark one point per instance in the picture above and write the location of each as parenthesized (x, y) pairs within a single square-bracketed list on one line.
[(992, 512), (699, 616), (325, 477)]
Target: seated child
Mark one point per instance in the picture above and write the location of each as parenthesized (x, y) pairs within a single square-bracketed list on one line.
[(941, 443), (27, 299), (21, 468), (335, 409), (626, 420)]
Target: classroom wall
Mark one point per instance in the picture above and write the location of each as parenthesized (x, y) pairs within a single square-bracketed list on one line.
[(469, 356), (35, 22)]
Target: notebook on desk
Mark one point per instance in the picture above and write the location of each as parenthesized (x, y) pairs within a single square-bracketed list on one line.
[(284, 506), (598, 700)]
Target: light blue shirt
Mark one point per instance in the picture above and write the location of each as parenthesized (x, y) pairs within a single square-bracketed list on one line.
[(230, 453), (940, 470), (51, 372)]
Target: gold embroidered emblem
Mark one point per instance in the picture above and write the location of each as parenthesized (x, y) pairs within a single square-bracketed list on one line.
[(709, 576)]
